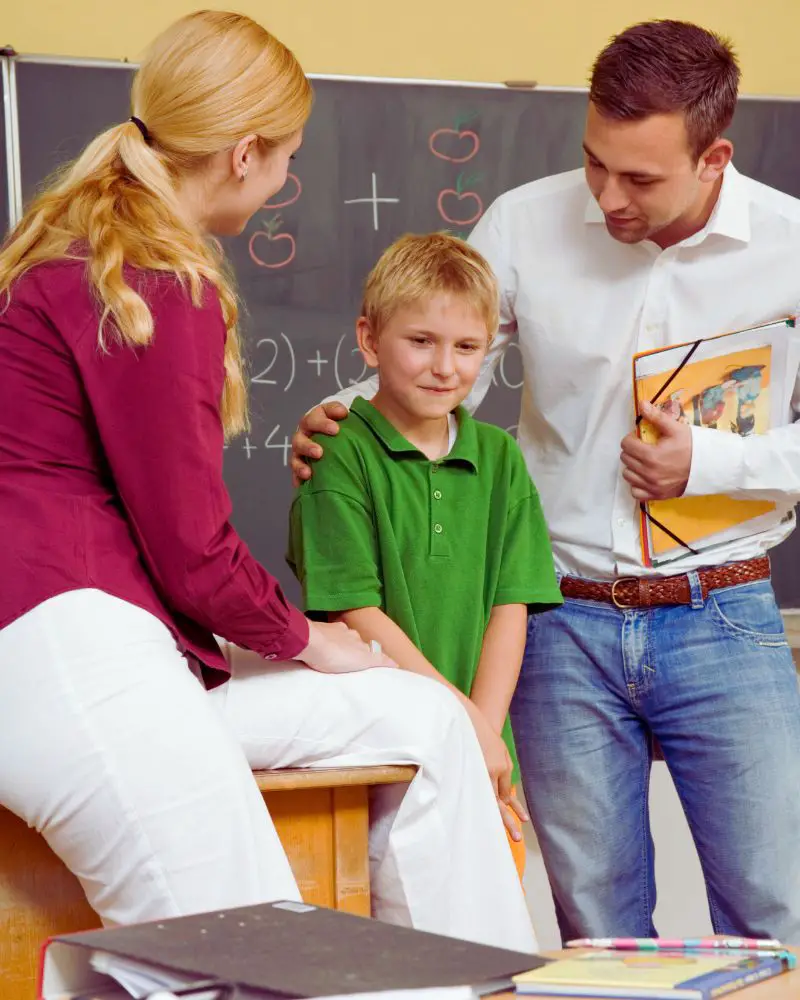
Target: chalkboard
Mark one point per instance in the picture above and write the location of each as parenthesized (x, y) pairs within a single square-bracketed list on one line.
[(378, 160)]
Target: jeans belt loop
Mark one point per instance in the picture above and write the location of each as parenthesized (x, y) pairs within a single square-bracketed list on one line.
[(696, 590)]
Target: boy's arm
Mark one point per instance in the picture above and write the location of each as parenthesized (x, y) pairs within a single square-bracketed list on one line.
[(372, 623), (500, 662)]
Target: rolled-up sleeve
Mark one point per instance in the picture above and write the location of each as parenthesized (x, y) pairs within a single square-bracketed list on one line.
[(157, 411)]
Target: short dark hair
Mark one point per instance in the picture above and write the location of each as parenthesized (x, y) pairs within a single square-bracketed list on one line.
[(663, 67)]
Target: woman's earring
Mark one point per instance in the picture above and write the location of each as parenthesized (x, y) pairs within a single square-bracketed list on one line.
[(243, 173)]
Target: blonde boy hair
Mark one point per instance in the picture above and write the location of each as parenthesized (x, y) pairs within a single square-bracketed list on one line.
[(206, 82), (415, 268)]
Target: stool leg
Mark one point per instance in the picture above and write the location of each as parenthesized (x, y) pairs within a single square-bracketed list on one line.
[(351, 849)]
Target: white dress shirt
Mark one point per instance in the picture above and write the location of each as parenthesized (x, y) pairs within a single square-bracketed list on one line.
[(582, 304)]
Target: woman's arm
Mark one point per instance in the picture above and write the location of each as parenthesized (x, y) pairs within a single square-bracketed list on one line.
[(156, 411)]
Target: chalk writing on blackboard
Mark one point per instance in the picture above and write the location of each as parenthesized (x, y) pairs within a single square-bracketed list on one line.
[(374, 201), (457, 144), (459, 206), (276, 249), (286, 197), (270, 350), (505, 376), (341, 360), (318, 361), (285, 446)]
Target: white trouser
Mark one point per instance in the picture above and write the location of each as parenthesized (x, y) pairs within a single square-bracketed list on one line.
[(140, 780)]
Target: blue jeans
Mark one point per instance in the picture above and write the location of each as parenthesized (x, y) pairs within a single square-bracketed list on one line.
[(716, 685)]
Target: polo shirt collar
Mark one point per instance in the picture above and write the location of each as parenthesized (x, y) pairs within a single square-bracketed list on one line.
[(730, 218), (465, 450)]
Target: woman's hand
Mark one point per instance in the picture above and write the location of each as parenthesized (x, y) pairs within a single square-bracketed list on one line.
[(333, 648)]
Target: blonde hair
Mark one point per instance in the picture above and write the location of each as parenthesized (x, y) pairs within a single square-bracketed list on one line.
[(415, 268), (206, 82)]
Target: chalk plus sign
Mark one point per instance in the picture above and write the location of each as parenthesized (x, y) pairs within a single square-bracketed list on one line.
[(374, 201), (248, 447), (319, 361)]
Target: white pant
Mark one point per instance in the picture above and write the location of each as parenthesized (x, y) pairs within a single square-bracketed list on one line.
[(140, 780)]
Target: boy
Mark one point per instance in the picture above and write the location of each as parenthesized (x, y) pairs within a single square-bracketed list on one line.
[(422, 530)]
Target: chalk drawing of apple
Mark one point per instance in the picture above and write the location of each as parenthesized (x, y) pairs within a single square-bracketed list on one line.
[(456, 145), (458, 206), (288, 194), (278, 248)]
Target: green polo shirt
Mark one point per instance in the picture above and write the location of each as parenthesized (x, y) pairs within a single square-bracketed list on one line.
[(435, 545)]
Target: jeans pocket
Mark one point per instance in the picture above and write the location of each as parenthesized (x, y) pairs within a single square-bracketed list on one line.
[(750, 612)]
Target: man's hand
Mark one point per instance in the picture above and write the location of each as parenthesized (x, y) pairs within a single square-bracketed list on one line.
[(321, 420), (658, 471)]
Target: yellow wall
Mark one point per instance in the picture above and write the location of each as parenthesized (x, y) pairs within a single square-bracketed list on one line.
[(547, 41)]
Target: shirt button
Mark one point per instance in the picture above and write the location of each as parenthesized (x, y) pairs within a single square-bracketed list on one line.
[(437, 528), (437, 494), (434, 468), (621, 522), (271, 656)]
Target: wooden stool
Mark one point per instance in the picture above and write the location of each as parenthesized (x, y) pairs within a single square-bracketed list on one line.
[(321, 816)]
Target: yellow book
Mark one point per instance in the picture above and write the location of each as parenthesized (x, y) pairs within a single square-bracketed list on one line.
[(653, 975)]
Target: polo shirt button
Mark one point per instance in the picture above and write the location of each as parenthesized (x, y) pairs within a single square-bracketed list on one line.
[(271, 656), (437, 494), (437, 528)]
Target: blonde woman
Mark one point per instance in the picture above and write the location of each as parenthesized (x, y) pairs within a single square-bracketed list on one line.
[(126, 736)]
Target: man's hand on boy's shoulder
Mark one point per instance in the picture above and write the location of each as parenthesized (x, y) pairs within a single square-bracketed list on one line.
[(323, 419)]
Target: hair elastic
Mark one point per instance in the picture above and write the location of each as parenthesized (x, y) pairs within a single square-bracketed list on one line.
[(142, 127)]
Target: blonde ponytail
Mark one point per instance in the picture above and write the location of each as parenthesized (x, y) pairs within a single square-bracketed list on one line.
[(117, 204)]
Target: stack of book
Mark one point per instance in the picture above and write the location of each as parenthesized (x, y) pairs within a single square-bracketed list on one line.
[(653, 969)]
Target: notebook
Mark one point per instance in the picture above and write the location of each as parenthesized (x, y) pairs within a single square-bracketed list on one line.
[(653, 975)]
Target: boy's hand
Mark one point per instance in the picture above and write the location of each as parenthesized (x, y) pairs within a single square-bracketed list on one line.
[(321, 420), (500, 767), (513, 815)]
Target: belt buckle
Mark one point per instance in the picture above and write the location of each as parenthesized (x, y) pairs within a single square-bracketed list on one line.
[(614, 599)]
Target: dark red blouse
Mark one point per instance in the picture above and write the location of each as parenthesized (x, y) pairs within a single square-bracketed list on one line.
[(111, 468)]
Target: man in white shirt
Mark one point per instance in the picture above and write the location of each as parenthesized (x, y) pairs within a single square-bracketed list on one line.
[(658, 241)]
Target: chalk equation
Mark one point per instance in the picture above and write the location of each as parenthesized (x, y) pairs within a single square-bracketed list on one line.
[(504, 374), (274, 443), (273, 362)]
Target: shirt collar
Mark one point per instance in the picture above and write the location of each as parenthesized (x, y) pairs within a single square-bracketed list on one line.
[(465, 450), (730, 218)]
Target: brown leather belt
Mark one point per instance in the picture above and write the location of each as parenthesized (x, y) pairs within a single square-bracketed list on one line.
[(652, 591)]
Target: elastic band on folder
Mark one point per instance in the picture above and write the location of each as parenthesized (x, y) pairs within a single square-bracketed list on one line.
[(653, 402), (665, 529), (672, 377)]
